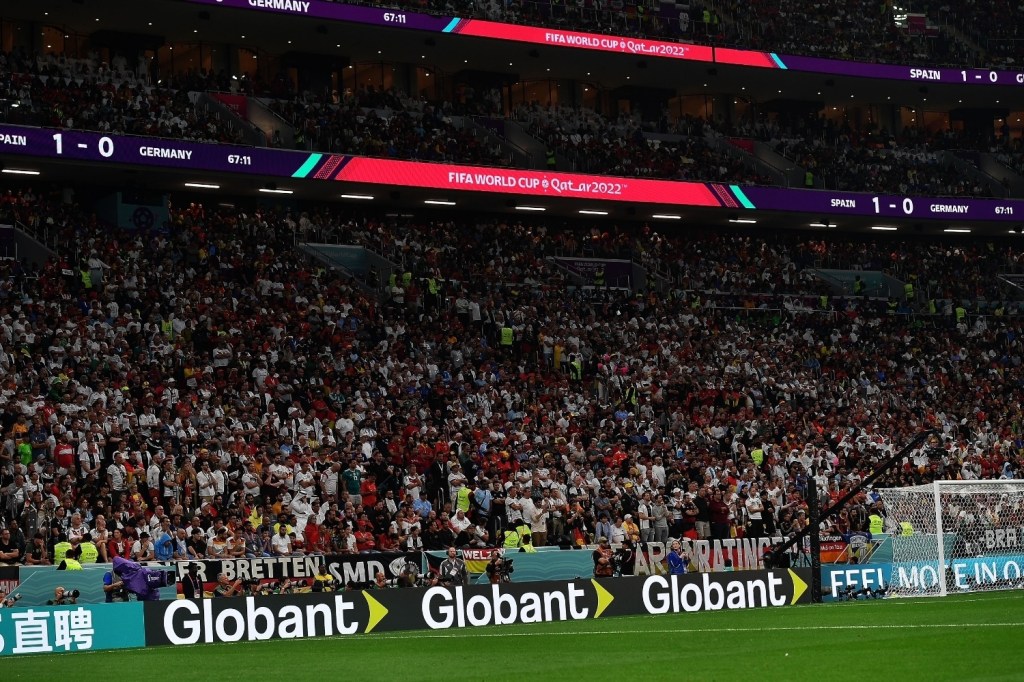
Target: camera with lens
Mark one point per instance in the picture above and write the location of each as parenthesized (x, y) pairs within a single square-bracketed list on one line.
[(624, 559), (265, 589), (62, 597), (500, 569), (251, 587), (852, 593), (10, 601), (330, 585)]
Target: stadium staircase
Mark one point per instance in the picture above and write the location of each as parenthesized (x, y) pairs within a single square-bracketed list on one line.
[(572, 277), (513, 155), (793, 174), (646, 279), (1013, 283), (1008, 177), (369, 270), (970, 169), (752, 161), (249, 133), (516, 135), (34, 246), (271, 123), (877, 284)]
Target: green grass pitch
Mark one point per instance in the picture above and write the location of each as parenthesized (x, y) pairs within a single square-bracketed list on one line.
[(967, 637)]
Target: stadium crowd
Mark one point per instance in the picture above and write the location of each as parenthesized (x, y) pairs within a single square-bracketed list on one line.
[(89, 94), (595, 144), (386, 123), (207, 392), (995, 25), (862, 30)]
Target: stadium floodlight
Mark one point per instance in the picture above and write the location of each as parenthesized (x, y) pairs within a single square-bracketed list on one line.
[(955, 537), (357, 197), (667, 216), (958, 230), (202, 185), (20, 171)]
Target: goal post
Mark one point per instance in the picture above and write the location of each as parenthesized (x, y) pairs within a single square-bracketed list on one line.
[(950, 537)]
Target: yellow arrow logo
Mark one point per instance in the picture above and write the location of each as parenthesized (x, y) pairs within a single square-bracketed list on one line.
[(799, 586), (377, 612), (604, 598)]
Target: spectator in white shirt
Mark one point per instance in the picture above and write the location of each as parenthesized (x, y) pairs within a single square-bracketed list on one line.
[(281, 543)]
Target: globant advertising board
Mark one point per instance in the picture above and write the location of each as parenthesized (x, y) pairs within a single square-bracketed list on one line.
[(300, 616), (351, 612), (963, 575)]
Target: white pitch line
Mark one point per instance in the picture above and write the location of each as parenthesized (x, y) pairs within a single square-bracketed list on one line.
[(459, 634), (920, 626)]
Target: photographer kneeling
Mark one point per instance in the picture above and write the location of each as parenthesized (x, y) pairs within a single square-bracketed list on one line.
[(226, 588), (323, 581), (62, 597)]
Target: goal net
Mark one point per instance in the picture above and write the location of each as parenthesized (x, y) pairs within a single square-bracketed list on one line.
[(950, 537)]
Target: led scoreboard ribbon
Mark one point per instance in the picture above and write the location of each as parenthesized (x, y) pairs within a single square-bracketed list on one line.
[(97, 148), (382, 16), (839, 67)]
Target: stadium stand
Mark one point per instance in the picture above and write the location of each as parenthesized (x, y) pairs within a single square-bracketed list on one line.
[(383, 123), (87, 94), (90, 94), (862, 31), (212, 373)]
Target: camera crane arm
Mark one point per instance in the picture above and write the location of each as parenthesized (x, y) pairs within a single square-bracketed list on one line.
[(815, 517)]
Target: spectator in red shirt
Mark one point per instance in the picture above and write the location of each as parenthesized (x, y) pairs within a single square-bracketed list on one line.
[(119, 546), (365, 541), (368, 490)]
